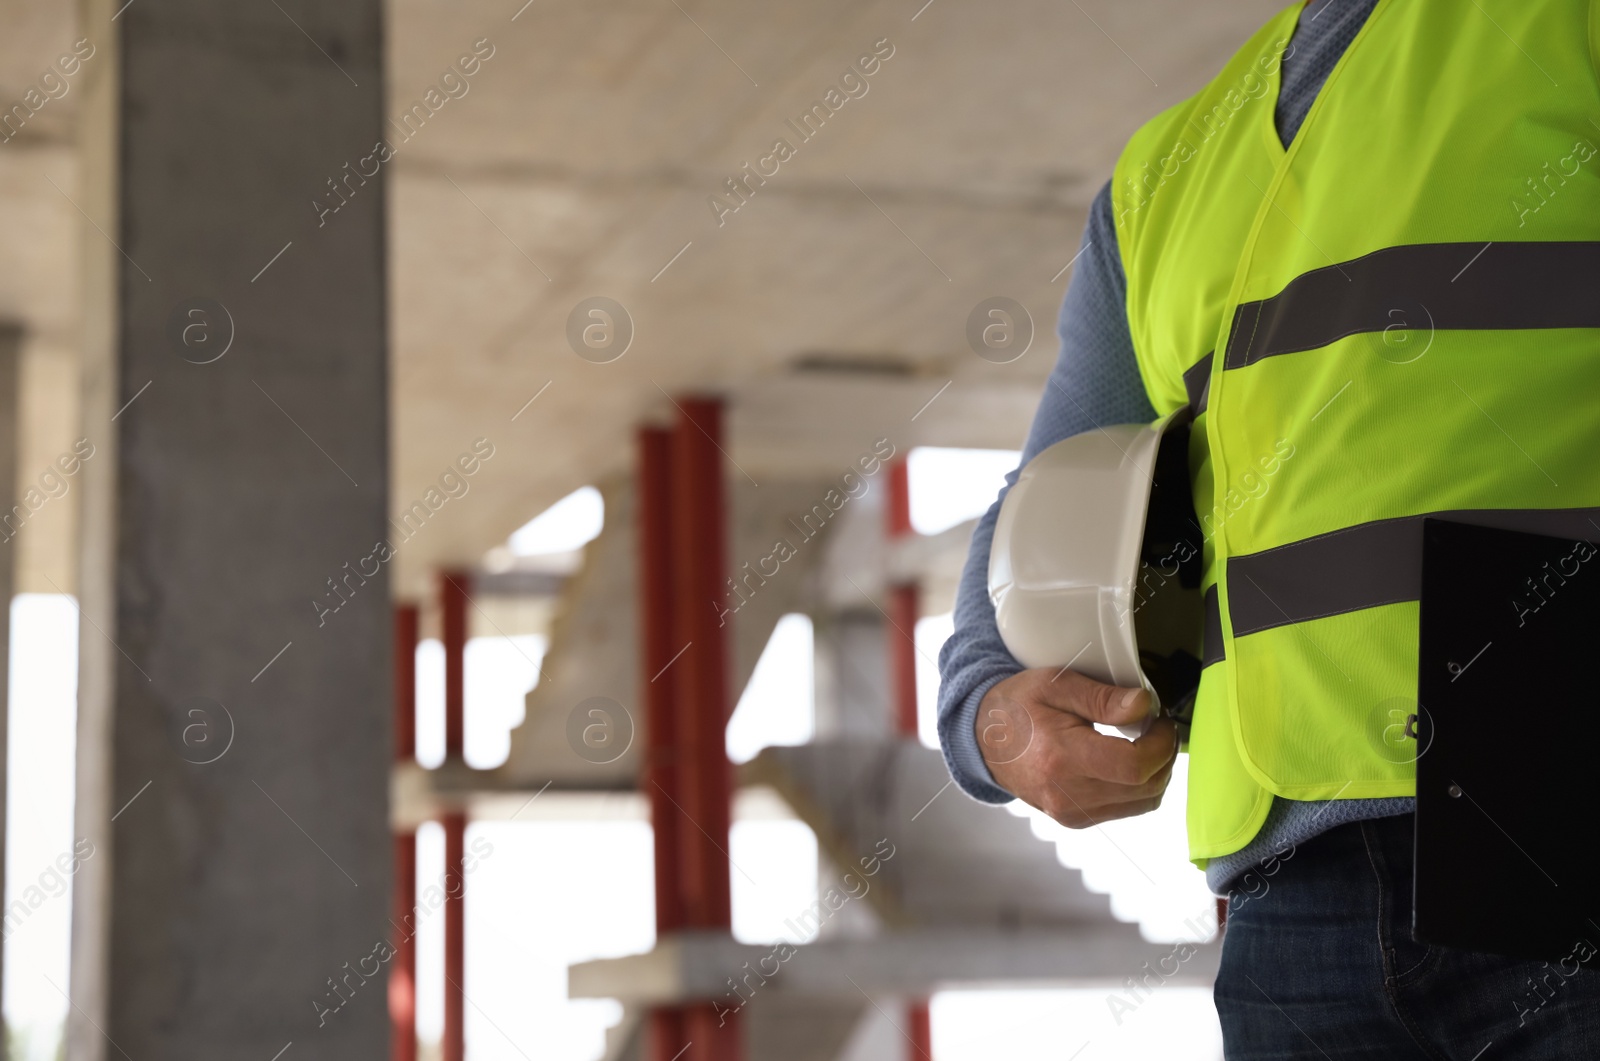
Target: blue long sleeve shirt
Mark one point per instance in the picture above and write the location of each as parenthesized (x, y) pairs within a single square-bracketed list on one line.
[(1096, 382)]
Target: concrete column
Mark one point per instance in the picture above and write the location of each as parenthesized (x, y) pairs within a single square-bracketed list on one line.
[(403, 975), (235, 651), (854, 696)]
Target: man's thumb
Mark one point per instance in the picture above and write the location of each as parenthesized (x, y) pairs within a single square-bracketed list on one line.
[(1110, 705)]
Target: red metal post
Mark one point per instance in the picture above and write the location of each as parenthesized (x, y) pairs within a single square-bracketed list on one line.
[(403, 969), (684, 556), (905, 608), (407, 622), (899, 514), (660, 779), (699, 518), (453, 589), (920, 1032), (668, 1040), (453, 1042), (699, 537)]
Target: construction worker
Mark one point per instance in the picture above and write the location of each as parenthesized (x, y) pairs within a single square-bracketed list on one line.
[(1367, 244)]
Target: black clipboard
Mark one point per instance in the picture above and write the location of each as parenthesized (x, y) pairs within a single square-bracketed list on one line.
[(1508, 730)]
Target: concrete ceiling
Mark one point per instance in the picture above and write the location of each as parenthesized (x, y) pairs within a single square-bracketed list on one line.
[(830, 308), (581, 161)]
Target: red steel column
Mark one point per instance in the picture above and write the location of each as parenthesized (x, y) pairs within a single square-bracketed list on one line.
[(899, 514), (407, 623), (453, 1041), (920, 1031), (653, 490), (905, 608), (700, 674), (453, 589), (403, 971), (702, 701)]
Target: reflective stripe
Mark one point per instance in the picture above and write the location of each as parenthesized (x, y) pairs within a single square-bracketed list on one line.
[(1364, 566), (1424, 287), (1213, 651), (1197, 382)]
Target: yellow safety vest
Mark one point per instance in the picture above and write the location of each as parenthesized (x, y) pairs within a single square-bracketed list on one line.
[(1397, 316)]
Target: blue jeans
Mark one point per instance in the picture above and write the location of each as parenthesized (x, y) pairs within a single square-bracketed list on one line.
[(1318, 963)]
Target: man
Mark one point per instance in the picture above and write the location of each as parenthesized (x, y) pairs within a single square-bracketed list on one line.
[(1257, 257)]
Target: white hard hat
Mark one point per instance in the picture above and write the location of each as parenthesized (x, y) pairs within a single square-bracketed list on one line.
[(1095, 563)]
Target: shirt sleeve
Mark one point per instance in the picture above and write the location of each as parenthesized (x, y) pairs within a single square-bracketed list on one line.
[(1095, 382)]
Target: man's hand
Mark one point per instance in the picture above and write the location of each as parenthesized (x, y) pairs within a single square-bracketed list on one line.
[(1036, 732)]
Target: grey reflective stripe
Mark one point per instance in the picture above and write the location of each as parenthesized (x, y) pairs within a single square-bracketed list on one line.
[(1197, 383), (1213, 650), (1424, 287), (1364, 566)]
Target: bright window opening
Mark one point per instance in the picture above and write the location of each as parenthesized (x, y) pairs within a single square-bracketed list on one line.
[(778, 705), (1111, 1023), (774, 880), (569, 524), (951, 486), (500, 671), (40, 771), (525, 924), (1142, 863)]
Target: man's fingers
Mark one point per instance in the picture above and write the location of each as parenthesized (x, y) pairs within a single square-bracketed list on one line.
[(1111, 705), (1124, 762), (1034, 729), (1086, 811)]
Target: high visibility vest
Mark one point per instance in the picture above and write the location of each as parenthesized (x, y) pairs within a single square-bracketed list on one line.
[(1397, 316)]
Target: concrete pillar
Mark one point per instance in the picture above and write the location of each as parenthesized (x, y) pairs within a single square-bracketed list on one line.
[(854, 696), (403, 975), (234, 694)]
